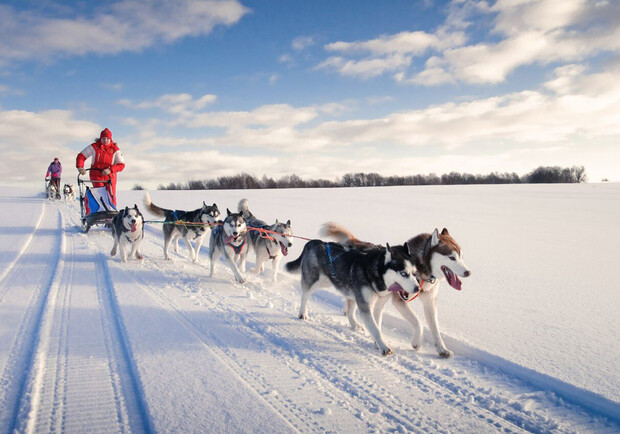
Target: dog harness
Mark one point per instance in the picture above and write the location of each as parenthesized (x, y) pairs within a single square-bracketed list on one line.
[(269, 253)]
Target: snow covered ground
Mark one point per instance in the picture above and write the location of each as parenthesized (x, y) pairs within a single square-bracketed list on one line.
[(90, 344)]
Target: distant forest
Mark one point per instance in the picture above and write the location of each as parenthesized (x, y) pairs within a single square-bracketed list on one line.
[(541, 175)]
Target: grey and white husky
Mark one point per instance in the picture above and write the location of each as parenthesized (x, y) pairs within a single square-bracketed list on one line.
[(199, 222), (271, 245), (366, 279), (231, 239), (128, 229), (437, 256), (69, 193)]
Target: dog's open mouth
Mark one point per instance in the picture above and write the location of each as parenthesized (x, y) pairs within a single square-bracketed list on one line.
[(452, 278), (283, 249), (133, 227), (404, 295)]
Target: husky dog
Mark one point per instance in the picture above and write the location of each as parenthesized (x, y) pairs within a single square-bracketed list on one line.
[(69, 193), (437, 256), (231, 239), (52, 191), (199, 222), (128, 228), (366, 280), (273, 244)]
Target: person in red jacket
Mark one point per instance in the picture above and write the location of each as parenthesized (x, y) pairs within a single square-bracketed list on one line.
[(107, 161)]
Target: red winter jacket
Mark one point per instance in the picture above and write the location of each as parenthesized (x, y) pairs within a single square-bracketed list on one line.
[(103, 157)]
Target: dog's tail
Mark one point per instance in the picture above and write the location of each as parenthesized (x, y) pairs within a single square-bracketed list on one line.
[(341, 235), (294, 266), (244, 206), (161, 212)]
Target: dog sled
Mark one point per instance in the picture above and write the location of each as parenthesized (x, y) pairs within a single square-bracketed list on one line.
[(96, 205)]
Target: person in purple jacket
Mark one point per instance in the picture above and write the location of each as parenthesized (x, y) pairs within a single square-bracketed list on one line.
[(55, 171)]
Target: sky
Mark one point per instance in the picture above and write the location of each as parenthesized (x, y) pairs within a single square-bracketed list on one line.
[(202, 89)]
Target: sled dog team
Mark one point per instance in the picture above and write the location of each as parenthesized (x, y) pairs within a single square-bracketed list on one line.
[(367, 275)]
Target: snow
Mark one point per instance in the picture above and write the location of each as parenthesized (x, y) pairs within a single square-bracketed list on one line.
[(88, 343)]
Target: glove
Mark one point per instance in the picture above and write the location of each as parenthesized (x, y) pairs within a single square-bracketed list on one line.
[(106, 172), (81, 170)]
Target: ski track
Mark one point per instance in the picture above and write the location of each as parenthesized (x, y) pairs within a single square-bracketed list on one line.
[(315, 375)]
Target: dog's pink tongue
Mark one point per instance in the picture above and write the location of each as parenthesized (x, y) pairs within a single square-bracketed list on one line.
[(133, 227), (455, 282), (395, 287), (283, 249)]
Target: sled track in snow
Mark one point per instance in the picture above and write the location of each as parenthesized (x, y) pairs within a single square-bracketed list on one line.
[(20, 363), (10, 267), (129, 385), (253, 382), (46, 363)]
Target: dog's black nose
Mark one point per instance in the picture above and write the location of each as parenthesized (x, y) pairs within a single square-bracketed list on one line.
[(467, 273), (133, 221), (235, 233)]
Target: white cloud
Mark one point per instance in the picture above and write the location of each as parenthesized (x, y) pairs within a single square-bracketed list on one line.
[(127, 25), (523, 32), (173, 103), (302, 42), (366, 68)]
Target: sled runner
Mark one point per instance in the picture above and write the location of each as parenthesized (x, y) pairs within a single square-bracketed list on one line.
[(96, 205)]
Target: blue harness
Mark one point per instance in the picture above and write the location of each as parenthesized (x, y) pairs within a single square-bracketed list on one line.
[(331, 260)]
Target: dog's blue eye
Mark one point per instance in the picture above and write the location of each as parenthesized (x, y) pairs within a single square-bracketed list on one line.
[(452, 258), (404, 274)]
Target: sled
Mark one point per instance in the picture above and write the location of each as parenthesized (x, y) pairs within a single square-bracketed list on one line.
[(96, 206)]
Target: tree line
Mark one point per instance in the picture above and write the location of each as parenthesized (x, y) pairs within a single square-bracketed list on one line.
[(540, 175)]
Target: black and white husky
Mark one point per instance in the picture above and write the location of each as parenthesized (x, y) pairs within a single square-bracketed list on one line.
[(437, 256), (366, 279), (128, 229), (231, 239), (69, 193), (269, 242), (198, 224)]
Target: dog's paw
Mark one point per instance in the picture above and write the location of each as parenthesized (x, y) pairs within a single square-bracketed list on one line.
[(113, 252), (445, 353), (303, 316), (241, 279), (387, 352), (139, 256)]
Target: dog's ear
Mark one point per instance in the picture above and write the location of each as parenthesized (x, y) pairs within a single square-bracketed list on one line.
[(406, 246), (288, 222), (435, 238), (445, 231), (388, 254), (228, 212), (135, 206), (126, 209), (215, 206), (277, 222)]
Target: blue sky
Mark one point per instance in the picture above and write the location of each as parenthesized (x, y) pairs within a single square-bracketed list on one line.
[(201, 89)]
